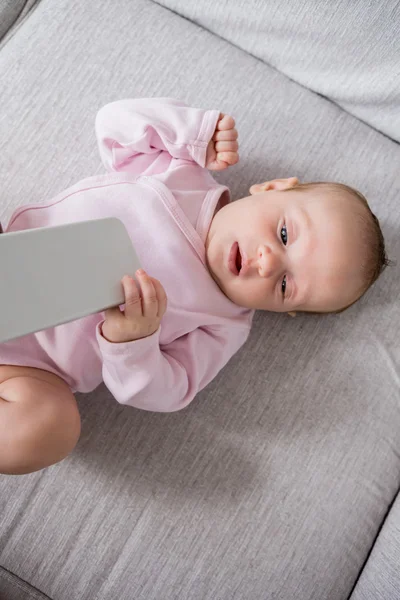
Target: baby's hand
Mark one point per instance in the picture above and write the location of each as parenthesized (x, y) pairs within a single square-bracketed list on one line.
[(222, 151), (143, 311)]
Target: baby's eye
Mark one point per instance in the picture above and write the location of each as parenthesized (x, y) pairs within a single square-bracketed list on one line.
[(283, 286), (284, 234)]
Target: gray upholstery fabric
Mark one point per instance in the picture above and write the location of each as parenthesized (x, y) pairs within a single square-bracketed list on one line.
[(13, 588), (380, 577), (9, 11), (12, 13), (274, 482), (347, 50)]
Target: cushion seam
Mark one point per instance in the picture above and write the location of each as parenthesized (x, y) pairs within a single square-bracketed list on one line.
[(22, 584), (378, 533), (18, 21), (278, 71)]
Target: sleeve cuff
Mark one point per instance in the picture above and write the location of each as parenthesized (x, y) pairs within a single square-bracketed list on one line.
[(134, 348), (199, 148)]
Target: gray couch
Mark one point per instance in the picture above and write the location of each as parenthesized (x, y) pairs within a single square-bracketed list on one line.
[(280, 481)]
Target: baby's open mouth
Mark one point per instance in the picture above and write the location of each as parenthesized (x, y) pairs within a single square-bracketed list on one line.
[(238, 260), (235, 259)]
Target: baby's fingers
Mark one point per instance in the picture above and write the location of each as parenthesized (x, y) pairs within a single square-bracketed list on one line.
[(113, 314), (227, 146), (225, 136), (154, 298), (161, 296), (148, 300), (230, 158), (133, 301), (227, 122)]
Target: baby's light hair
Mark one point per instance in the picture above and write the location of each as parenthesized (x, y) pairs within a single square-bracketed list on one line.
[(376, 259)]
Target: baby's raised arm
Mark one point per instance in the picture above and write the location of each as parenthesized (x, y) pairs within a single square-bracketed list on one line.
[(144, 135)]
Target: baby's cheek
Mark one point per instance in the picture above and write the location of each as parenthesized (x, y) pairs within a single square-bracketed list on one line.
[(260, 295)]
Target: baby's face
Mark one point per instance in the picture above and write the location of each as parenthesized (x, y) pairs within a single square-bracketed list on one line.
[(287, 251)]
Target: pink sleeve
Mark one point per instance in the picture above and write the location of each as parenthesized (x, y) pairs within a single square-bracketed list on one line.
[(143, 375), (146, 134)]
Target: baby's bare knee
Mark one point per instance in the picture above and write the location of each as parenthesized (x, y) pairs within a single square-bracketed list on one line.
[(39, 424)]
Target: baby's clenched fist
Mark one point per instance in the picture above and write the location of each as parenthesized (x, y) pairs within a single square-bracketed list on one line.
[(222, 151), (145, 305)]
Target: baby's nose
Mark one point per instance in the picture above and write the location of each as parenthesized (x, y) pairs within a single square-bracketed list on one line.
[(267, 261)]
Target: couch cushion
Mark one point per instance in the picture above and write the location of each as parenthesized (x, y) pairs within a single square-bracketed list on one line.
[(380, 577), (347, 50), (273, 483)]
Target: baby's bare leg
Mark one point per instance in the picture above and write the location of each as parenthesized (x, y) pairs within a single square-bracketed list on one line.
[(39, 419)]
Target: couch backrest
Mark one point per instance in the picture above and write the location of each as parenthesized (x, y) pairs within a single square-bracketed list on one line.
[(11, 11), (347, 50)]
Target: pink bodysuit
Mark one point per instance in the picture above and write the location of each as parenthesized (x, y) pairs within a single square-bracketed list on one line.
[(154, 151)]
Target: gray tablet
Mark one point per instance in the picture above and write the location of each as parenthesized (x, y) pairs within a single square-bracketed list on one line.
[(52, 275)]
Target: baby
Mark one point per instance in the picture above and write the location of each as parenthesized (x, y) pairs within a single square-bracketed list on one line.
[(209, 264)]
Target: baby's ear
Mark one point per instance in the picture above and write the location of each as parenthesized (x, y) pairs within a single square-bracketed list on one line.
[(255, 189), (274, 184)]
